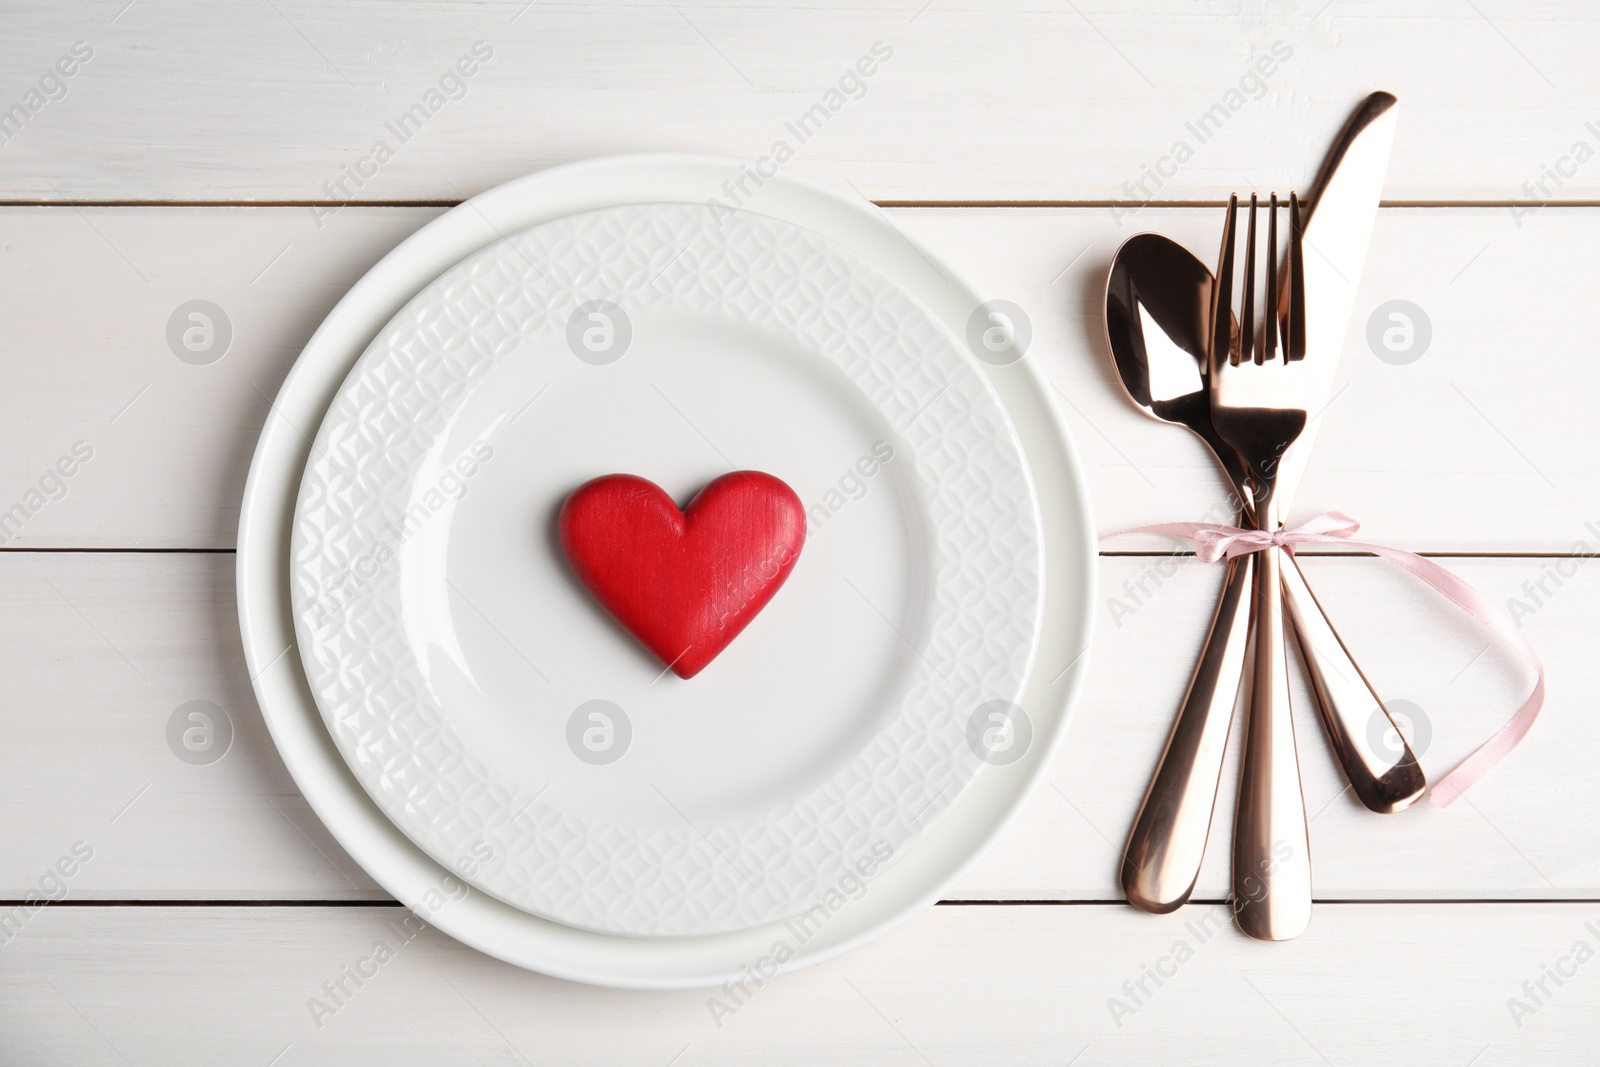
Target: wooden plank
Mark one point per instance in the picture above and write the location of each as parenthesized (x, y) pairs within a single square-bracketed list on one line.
[(973, 102), (1423, 984), (98, 651), (1461, 450)]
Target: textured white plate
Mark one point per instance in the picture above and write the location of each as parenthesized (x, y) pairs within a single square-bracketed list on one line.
[(456, 662), (918, 877)]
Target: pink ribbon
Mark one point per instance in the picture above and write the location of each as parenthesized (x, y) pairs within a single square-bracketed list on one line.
[(1213, 541)]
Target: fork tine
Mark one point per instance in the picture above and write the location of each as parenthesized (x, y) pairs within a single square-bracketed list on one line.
[(1269, 323), (1296, 348), (1247, 309), (1222, 294)]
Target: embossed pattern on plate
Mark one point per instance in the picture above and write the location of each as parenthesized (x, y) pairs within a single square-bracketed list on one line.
[(655, 877)]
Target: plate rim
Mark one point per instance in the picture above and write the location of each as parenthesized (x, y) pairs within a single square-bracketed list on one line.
[(916, 879)]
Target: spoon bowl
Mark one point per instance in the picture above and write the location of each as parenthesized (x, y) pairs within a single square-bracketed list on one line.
[(1158, 297)]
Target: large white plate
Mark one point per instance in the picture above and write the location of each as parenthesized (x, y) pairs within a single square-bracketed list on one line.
[(851, 916), (453, 657)]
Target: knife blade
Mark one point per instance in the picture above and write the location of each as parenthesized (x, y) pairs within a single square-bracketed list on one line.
[(1343, 207)]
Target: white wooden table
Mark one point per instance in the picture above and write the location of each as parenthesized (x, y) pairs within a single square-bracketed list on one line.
[(205, 152)]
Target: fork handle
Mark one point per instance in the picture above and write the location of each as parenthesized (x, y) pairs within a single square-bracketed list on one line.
[(1271, 846), (1168, 840), (1385, 781)]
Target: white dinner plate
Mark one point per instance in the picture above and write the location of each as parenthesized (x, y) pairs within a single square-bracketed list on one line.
[(853, 908), (490, 708)]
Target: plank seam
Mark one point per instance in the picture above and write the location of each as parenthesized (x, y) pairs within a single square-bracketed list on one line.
[(336, 205), (1104, 554), (1030, 903)]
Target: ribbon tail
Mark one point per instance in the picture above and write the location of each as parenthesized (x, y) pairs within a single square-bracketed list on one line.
[(1459, 592)]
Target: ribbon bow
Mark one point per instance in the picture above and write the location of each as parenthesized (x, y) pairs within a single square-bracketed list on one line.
[(1213, 542)]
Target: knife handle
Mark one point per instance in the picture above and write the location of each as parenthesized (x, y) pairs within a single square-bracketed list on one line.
[(1385, 781), (1168, 841), (1271, 842)]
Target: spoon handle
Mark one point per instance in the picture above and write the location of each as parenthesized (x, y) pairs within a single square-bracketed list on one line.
[(1168, 841), (1378, 762)]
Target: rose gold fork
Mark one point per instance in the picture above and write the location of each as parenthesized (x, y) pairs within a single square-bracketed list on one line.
[(1260, 406)]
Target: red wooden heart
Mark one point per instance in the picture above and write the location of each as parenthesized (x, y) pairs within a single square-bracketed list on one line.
[(684, 583)]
